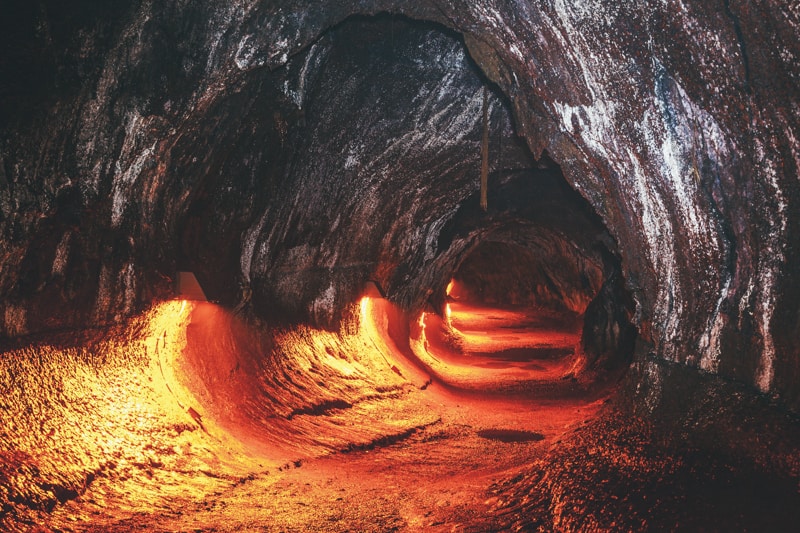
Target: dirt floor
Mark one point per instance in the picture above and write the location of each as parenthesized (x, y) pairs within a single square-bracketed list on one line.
[(436, 479), (478, 425)]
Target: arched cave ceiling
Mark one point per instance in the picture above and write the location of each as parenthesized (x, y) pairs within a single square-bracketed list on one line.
[(271, 145)]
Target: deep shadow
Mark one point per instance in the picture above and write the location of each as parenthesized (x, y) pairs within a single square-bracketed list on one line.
[(510, 435)]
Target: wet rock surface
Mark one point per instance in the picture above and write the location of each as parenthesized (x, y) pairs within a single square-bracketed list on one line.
[(287, 152), (649, 482)]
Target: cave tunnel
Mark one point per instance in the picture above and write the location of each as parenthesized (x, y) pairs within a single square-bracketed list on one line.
[(369, 266)]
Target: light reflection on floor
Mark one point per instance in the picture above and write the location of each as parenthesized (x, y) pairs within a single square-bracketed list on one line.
[(188, 420), (481, 348)]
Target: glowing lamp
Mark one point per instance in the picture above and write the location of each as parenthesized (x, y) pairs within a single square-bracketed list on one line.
[(188, 288)]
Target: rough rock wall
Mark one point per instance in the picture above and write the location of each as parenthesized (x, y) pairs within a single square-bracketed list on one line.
[(659, 115), (368, 201), (677, 120)]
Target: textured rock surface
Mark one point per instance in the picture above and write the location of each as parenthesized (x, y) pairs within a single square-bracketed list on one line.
[(237, 142), (288, 151)]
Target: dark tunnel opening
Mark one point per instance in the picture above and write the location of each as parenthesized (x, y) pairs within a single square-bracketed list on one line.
[(558, 291), (537, 289)]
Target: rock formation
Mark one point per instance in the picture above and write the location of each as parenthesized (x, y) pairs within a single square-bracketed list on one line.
[(288, 152)]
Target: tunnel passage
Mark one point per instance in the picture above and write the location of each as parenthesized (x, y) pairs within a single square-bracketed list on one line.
[(496, 273), (532, 289), (359, 160), (560, 288), (502, 297), (285, 164), (356, 154)]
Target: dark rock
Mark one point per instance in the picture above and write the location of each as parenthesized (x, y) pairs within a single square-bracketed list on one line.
[(289, 149)]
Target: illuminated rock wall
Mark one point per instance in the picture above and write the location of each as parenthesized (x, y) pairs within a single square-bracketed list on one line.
[(234, 141)]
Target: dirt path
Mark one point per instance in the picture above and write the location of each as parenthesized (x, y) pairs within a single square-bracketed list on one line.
[(435, 477)]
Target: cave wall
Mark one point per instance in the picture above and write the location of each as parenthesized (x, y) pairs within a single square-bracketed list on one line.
[(367, 202), (161, 140)]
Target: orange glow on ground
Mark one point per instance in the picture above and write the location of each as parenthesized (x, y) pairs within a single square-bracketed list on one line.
[(107, 415), (493, 330), (142, 426), (479, 348)]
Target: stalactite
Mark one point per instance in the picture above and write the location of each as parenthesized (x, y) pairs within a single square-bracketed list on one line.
[(485, 150)]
